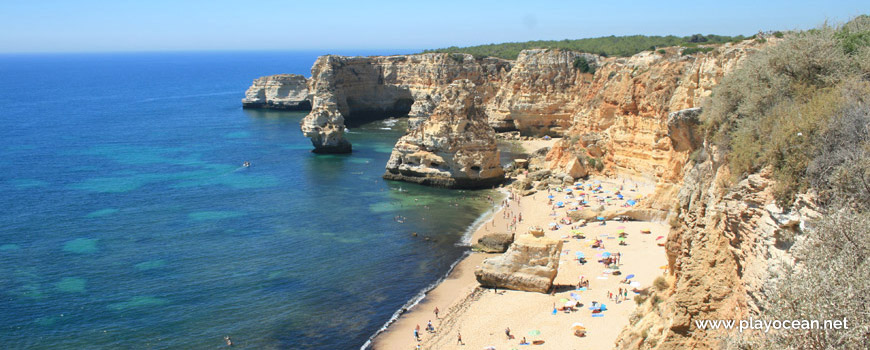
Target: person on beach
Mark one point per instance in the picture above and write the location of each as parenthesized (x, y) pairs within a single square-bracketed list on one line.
[(507, 332), (430, 328), (417, 333), (459, 338), (524, 342), (436, 312)]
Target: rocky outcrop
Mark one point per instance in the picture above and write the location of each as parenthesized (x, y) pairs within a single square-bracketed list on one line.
[(540, 94), (683, 129), (726, 243), (455, 147), (282, 91), (620, 114), (495, 242), (530, 264), (349, 91)]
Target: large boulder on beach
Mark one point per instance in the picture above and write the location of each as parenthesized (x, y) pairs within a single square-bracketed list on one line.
[(530, 264), (495, 242)]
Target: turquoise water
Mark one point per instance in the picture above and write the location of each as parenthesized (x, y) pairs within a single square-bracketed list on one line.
[(129, 223)]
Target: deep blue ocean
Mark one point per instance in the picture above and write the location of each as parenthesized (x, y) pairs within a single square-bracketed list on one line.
[(128, 222)]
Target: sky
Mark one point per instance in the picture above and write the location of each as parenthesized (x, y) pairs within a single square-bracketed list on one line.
[(178, 25)]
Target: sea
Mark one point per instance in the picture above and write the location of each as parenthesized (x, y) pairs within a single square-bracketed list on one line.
[(127, 220)]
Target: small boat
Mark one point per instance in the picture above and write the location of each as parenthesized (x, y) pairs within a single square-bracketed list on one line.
[(246, 164)]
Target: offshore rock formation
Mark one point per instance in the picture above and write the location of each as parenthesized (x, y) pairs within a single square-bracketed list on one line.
[(530, 264), (495, 242), (349, 91), (454, 148), (282, 91)]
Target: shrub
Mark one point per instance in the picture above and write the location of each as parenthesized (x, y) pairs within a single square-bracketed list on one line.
[(830, 283), (603, 46), (640, 299), (660, 283), (693, 50), (583, 65), (662, 51), (771, 110), (458, 57), (778, 34)]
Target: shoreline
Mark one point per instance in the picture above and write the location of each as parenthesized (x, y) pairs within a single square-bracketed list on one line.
[(456, 285), (458, 267), (481, 314)]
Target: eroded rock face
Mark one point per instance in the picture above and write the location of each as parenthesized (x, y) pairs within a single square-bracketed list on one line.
[(349, 91), (726, 243), (683, 129), (530, 264), (282, 91), (454, 148)]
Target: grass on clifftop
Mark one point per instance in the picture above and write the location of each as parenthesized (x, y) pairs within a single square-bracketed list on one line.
[(605, 46)]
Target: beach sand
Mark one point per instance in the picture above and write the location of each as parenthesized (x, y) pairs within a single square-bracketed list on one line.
[(481, 315)]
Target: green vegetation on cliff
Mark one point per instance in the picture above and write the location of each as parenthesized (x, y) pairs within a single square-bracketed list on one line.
[(781, 106), (802, 108), (605, 46)]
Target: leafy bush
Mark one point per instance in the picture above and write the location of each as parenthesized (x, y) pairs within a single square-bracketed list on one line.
[(694, 50), (771, 111), (458, 57), (778, 34), (583, 65), (829, 283), (662, 51), (660, 283), (604, 46)]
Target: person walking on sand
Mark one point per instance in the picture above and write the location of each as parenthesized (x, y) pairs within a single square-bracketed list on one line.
[(436, 312), (507, 332), (459, 338), (417, 333)]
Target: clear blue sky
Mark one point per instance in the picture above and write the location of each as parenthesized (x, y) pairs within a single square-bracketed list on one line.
[(158, 25)]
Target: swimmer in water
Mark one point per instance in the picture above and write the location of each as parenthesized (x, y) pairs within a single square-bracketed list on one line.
[(228, 340)]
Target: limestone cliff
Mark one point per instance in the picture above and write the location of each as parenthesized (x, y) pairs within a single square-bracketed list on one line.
[(726, 242), (348, 91), (455, 147), (620, 114), (282, 91)]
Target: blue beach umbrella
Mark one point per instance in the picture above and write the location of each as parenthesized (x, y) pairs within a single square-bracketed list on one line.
[(631, 202), (550, 196), (605, 255), (600, 218), (629, 276)]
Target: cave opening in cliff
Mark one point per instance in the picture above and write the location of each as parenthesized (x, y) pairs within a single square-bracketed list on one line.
[(360, 112)]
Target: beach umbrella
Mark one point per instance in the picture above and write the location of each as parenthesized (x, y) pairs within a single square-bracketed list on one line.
[(663, 267), (580, 255), (630, 202), (550, 196), (560, 203), (576, 232), (646, 230), (605, 255), (563, 300), (634, 284), (620, 227), (570, 303), (489, 348), (575, 296), (600, 218), (629, 276), (659, 237), (568, 190), (621, 239), (576, 325), (553, 224), (534, 332)]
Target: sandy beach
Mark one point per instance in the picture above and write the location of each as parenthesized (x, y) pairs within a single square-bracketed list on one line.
[(482, 315)]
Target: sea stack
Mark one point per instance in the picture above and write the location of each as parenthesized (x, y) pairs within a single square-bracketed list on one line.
[(454, 148), (282, 91)]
